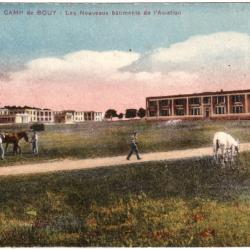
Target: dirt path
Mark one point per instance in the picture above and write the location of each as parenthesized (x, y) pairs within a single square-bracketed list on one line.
[(67, 165)]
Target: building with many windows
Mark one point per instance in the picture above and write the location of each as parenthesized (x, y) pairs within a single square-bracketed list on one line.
[(63, 117), (98, 116), (213, 105), (13, 114), (79, 116)]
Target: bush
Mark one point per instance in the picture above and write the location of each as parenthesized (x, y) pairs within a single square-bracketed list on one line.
[(130, 113), (37, 127)]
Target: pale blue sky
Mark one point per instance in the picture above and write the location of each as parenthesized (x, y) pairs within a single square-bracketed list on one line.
[(24, 37)]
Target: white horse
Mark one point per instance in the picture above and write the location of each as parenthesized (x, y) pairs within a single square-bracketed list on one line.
[(173, 122), (225, 147)]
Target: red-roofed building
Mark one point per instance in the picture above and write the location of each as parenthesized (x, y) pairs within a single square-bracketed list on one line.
[(214, 105)]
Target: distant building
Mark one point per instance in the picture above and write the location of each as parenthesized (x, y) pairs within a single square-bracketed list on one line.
[(13, 114), (28, 114), (63, 117), (89, 115), (98, 116), (81, 116), (93, 116), (5, 116), (213, 105), (78, 116), (4, 111), (44, 116), (22, 118)]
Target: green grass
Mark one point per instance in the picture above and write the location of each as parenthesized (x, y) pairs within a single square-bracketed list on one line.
[(100, 139), (179, 203)]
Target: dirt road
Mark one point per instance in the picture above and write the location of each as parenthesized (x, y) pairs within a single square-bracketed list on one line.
[(67, 165)]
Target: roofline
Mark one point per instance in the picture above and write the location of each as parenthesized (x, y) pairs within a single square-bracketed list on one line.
[(200, 94)]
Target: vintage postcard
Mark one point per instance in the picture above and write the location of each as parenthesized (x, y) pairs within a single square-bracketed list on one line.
[(125, 124)]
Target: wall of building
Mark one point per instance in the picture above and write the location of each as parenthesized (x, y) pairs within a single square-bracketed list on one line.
[(78, 116), (98, 116), (217, 106), (29, 115)]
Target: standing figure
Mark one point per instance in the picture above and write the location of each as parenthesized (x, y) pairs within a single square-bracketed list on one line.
[(34, 142), (1, 146), (134, 147)]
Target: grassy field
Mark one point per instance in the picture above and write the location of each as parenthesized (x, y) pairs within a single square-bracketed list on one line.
[(100, 139), (179, 203)]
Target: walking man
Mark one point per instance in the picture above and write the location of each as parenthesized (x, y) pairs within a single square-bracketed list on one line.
[(134, 147), (34, 142), (1, 146)]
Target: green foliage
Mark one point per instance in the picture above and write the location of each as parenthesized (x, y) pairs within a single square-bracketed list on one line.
[(166, 204), (110, 113), (141, 112), (120, 116), (37, 127), (101, 139), (131, 113)]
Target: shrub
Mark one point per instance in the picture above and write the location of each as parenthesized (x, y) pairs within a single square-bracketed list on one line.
[(37, 127)]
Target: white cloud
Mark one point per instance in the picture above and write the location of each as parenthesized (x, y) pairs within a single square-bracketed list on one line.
[(76, 66), (92, 79), (199, 53)]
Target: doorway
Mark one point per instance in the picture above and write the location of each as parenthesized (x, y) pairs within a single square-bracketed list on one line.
[(207, 112)]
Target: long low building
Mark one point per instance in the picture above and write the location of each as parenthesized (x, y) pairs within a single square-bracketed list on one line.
[(13, 114), (214, 105), (72, 116)]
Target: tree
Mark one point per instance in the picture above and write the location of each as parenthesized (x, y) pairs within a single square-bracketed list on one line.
[(141, 112), (120, 116), (110, 113), (131, 113)]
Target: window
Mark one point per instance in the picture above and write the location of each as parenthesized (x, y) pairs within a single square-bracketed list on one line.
[(195, 100), (195, 111), (179, 101), (220, 110), (152, 113), (152, 103), (237, 98), (206, 100), (220, 99), (165, 112), (238, 109), (165, 102), (179, 111)]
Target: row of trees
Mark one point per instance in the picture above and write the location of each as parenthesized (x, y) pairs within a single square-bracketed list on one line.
[(130, 113)]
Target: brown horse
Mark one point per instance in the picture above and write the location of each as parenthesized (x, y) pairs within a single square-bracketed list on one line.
[(14, 138)]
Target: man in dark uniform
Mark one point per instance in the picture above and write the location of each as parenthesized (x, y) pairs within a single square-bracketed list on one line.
[(34, 142), (2, 136), (134, 147)]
